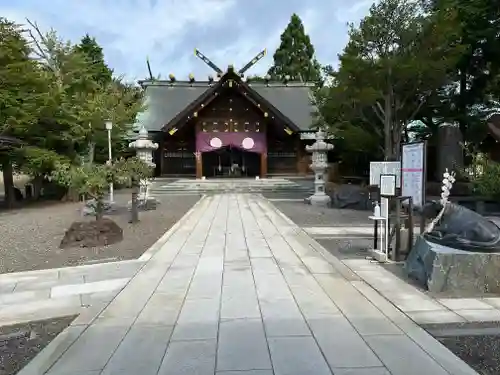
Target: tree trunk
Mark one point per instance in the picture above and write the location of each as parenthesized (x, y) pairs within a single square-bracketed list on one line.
[(91, 152), (134, 210), (8, 182), (37, 187), (99, 209), (387, 128)]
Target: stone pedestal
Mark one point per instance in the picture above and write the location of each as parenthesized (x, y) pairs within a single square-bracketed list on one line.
[(442, 269), (319, 166)]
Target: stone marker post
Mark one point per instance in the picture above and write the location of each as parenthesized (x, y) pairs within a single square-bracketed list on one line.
[(319, 150), (144, 150)]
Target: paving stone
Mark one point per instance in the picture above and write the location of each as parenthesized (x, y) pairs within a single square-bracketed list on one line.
[(361, 371), (161, 310), (198, 320), (205, 286), (115, 270), (87, 288), (478, 315), (240, 307), (265, 265), (436, 317), (249, 372), (465, 304), (282, 317), (98, 298), (341, 345), (297, 356), (29, 285), (21, 297), (402, 356), (140, 352), (493, 301), (189, 358), (242, 346), (93, 348), (271, 287), (318, 265), (176, 282), (39, 309)]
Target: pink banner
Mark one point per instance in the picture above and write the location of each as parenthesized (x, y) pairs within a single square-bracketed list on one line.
[(253, 142)]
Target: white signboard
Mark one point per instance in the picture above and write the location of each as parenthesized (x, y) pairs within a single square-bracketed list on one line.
[(388, 185), (413, 172), (378, 168)]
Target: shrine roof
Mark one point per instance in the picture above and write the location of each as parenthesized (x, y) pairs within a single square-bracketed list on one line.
[(166, 100)]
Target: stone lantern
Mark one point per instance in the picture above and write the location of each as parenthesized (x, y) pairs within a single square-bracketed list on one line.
[(319, 150), (144, 150)]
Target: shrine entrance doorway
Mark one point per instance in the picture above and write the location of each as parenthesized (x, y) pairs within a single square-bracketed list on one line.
[(231, 162)]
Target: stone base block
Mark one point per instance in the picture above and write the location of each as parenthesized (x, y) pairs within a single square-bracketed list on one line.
[(442, 269), (320, 200)]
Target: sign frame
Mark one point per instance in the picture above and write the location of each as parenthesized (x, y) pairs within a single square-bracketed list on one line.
[(375, 177), (418, 201), (387, 185)]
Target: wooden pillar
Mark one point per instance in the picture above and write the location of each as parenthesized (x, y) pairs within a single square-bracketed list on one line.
[(199, 165), (263, 165), (162, 154)]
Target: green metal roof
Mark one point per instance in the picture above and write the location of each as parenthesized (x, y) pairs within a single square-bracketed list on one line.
[(165, 100)]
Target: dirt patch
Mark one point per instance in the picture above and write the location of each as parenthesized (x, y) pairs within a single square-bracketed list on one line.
[(20, 343), (102, 232), (31, 236)]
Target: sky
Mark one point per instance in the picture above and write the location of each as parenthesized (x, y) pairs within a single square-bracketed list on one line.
[(168, 31)]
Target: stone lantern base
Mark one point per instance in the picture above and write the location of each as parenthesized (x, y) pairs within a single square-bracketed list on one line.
[(145, 203), (319, 200)]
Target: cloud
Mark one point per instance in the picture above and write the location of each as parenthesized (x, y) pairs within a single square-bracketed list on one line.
[(227, 31)]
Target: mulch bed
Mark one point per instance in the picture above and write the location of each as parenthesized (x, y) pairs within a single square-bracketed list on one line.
[(30, 237), (20, 343)]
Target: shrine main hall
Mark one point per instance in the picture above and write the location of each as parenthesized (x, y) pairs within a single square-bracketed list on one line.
[(228, 126)]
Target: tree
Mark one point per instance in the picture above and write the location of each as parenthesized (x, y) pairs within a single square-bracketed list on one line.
[(23, 92), (90, 180), (295, 55), (476, 73), (82, 97), (393, 63), (89, 47)]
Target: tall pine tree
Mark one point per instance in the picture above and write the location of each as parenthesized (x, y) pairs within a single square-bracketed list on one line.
[(295, 55), (89, 47)]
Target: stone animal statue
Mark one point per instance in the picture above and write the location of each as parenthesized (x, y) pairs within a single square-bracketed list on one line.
[(461, 228)]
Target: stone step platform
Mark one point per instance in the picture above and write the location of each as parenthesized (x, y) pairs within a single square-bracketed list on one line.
[(44, 294), (227, 185)]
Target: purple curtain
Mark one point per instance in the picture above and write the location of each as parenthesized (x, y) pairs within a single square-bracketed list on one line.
[(254, 142)]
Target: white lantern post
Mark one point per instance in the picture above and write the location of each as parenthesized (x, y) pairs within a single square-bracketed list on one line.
[(109, 127), (319, 165), (144, 150)]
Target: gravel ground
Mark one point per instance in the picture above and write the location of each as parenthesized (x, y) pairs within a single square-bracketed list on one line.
[(479, 351), (305, 215), (19, 344), (30, 237)]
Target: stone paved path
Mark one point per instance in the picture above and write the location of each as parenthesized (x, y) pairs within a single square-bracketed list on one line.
[(239, 290)]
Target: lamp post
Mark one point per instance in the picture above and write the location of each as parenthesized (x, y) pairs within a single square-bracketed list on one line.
[(109, 127)]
